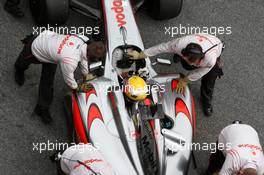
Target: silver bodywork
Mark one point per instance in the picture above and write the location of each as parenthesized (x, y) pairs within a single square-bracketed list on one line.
[(173, 157)]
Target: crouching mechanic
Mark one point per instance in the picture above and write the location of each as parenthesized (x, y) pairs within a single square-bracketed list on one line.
[(83, 159), (50, 49), (199, 53), (242, 154)]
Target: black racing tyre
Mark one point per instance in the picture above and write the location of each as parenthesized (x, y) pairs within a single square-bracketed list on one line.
[(165, 9), (69, 117), (192, 165), (73, 138), (53, 12), (96, 4)]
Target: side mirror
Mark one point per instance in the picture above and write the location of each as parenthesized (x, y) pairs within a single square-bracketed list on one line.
[(162, 61), (95, 65), (173, 140)]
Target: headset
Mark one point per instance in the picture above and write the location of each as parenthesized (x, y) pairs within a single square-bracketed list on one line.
[(195, 50)]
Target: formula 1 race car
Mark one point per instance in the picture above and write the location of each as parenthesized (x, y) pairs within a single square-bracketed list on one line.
[(152, 136), (57, 12)]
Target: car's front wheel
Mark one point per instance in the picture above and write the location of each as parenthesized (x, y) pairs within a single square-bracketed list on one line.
[(165, 9), (50, 11)]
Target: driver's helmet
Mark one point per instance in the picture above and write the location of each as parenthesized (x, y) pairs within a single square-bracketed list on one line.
[(136, 88)]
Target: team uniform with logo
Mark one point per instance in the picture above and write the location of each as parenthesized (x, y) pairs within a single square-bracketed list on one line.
[(204, 40), (50, 49), (65, 50), (207, 68), (244, 150), (84, 159)]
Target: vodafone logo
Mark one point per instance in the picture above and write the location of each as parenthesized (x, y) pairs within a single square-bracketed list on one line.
[(64, 41), (119, 15), (88, 163)]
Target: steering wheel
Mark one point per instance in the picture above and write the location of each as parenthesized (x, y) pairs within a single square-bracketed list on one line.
[(124, 63)]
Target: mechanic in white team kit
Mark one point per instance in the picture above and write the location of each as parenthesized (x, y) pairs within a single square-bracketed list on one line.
[(50, 49), (242, 155), (199, 53), (83, 159)]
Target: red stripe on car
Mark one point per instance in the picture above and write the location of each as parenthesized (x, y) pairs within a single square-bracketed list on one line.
[(78, 123), (174, 84), (152, 124), (180, 106), (93, 113), (193, 116)]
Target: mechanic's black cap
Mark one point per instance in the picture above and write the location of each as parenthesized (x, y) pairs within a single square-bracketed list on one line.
[(193, 50)]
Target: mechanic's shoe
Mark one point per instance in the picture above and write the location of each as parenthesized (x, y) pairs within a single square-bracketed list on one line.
[(44, 114), (237, 122), (208, 110), (19, 77), (55, 157), (14, 10)]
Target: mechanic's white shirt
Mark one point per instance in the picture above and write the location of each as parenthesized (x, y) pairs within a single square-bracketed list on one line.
[(65, 50), (206, 41), (243, 150), (88, 155)]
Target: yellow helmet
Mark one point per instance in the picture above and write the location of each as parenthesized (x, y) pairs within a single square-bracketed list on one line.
[(136, 88)]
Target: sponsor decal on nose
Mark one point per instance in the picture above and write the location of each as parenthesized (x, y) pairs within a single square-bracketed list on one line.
[(119, 12)]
